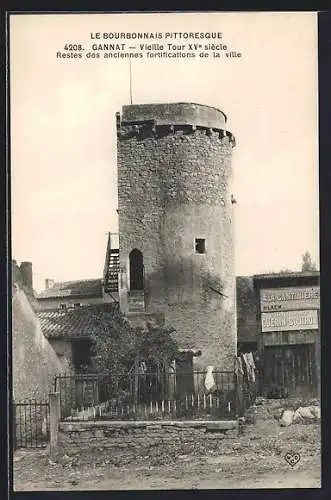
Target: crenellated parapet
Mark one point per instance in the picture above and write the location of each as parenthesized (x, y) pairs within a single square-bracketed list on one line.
[(160, 120), (149, 128)]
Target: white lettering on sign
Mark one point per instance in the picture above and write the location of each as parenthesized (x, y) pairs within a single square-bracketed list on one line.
[(290, 299), (289, 320)]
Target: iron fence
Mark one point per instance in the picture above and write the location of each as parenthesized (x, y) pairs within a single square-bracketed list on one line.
[(148, 395), (77, 391), (30, 423), (247, 391)]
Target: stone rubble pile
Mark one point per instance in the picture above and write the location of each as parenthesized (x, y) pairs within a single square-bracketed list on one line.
[(280, 410), (303, 414)]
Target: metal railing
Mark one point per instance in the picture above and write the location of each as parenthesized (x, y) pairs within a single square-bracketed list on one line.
[(148, 395), (30, 423)]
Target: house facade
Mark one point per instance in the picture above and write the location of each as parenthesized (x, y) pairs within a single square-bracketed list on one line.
[(70, 312), (69, 331), (288, 318), (73, 294)]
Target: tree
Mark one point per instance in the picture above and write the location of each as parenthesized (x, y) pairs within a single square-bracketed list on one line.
[(307, 263), (117, 346), (156, 342)]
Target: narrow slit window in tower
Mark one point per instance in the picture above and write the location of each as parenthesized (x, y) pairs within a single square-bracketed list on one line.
[(200, 245)]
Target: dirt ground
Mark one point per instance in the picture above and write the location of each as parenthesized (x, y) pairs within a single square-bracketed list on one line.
[(253, 459)]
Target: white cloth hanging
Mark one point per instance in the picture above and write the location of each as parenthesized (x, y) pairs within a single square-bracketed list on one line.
[(238, 366), (209, 380), (250, 365), (142, 368)]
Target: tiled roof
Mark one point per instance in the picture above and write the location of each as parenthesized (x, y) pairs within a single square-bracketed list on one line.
[(287, 275), (79, 288), (80, 322)]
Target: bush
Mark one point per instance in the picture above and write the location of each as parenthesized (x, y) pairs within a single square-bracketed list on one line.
[(117, 346)]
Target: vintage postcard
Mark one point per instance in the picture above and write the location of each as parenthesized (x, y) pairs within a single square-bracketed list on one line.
[(165, 245)]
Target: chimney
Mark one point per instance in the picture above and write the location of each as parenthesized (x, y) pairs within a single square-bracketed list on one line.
[(26, 272), (48, 283)]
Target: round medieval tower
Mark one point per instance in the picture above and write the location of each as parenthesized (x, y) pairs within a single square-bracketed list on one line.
[(176, 226)]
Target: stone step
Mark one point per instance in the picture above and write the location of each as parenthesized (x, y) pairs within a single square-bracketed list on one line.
[(140, 307), (136, 301)]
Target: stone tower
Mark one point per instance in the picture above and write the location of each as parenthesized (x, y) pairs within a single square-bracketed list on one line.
[(176, 225)]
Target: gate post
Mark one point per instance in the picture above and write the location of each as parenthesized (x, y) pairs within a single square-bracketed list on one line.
[(136, 381), (54, 419)]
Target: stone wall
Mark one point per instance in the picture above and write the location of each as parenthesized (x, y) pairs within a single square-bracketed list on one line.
[(127, 441), (63, 350), (35, 362), (174, 186)]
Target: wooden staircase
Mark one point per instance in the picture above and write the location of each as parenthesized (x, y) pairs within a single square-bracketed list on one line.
[(112, 270)]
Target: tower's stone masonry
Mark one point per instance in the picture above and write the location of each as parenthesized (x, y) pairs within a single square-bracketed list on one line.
[(174, 177)]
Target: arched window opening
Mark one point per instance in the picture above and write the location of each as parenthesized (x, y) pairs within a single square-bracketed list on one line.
[(136, 270)]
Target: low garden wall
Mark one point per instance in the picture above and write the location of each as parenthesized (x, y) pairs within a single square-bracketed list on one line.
[(129, 440)]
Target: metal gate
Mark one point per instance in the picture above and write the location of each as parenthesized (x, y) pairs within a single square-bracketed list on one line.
[(30, 424), (291, 368)]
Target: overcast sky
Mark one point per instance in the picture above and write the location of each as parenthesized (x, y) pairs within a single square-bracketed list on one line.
[(63, 137)]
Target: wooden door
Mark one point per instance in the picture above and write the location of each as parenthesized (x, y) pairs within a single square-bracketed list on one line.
[(291, 368), (184, 374)]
